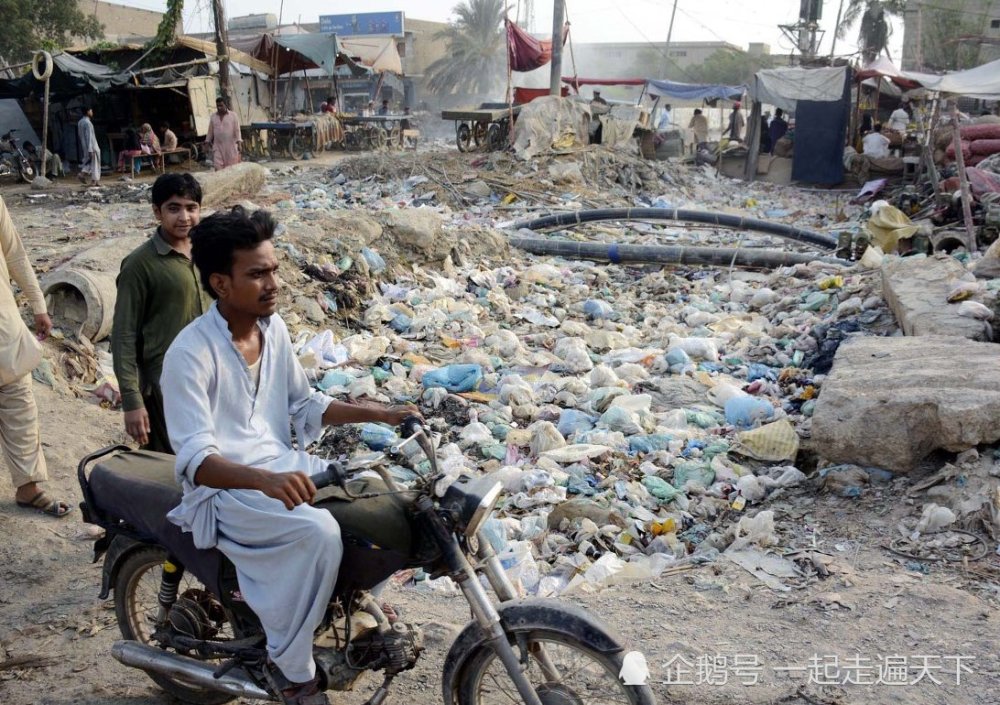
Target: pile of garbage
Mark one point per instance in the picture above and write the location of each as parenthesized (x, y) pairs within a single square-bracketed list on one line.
[(632, 414)]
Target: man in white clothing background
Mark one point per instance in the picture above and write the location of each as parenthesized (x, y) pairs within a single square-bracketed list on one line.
[(235, 388)]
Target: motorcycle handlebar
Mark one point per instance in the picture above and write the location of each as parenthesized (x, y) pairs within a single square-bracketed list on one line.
[(333, 475)]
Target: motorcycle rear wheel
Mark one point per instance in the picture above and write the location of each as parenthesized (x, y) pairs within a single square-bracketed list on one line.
[(587, 677), (136, 590), (26, 171)]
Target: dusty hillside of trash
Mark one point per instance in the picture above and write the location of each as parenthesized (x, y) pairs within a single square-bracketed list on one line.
[(652, 427)]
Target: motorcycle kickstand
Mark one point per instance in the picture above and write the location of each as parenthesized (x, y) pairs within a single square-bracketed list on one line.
[(382, 692)]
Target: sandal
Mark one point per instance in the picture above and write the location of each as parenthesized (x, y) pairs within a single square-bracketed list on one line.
[(41, 502), (307, 693)]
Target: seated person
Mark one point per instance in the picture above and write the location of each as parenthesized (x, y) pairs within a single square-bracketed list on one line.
[(169, 143), (235, 390), (384, 110), (150, 143), (875, 144), (369, 110), (329, 105), (132, 149), (53, 163)]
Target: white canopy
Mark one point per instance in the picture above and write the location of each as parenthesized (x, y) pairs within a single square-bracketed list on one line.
[(783, 88)]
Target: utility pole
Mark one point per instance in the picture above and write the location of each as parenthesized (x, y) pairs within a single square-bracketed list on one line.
[(222, 49), (836, 28), (555, 77), (670, 32)]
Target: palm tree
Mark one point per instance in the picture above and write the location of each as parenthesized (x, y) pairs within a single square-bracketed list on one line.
[(474, 62), (874, 29)]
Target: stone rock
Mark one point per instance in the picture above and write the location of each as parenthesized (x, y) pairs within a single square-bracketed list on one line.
[(989, 266), (916, 289), (677, 392), (419, 231), (477, 189), (310, 308), (232, 184), (889, 402)]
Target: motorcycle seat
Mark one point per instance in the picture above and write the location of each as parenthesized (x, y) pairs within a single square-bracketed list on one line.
[(139, 488)]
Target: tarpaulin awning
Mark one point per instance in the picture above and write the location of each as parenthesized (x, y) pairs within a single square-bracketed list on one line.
[(297, 52), (694, 91), (526, 53), (70, 76), (981, 82), (783, 88), (376, 53), (883, 68)]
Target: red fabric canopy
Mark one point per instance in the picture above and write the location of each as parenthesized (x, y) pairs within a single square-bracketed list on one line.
[(526, 53), (526, 95)]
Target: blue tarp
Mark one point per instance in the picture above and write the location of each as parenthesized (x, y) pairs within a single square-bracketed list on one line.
[(693, 91)]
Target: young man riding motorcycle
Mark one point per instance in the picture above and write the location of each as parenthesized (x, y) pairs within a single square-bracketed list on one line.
[(231, 384)]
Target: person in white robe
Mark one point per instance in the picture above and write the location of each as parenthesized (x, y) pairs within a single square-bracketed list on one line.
[(232, 390), (90, 150)]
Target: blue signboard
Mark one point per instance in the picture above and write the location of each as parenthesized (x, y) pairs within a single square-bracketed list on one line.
[(362, 23)]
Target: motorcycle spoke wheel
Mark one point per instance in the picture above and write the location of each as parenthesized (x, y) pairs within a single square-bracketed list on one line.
[(136, 607), (562, 673)]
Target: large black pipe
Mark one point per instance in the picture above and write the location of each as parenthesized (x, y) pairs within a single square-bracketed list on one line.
[(666, 254), (720, 219)]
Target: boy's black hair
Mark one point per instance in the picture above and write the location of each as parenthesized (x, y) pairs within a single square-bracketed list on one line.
[(167, 186), (215, 239)]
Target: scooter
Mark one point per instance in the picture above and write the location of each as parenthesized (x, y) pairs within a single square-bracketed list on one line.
[(183, 622), (13, 160)]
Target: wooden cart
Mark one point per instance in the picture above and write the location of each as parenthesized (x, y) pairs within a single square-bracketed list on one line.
[(270, 140), (373, 131), (485, 128)]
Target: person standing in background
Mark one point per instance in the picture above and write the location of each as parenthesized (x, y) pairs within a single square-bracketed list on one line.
[(699, 125), (90, 150), (734, 130), (224, 137), (778, 127)]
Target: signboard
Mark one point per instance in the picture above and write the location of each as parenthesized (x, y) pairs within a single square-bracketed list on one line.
[(362, 23)]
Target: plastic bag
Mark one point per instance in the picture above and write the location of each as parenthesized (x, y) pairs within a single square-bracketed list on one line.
[(660, 488), (545, 437), (572, 421), (621, 419), (746, 411), (454, 378), (756, 530), (696, 348), (573, 354), (595, 309), (378, 437), (698, 473), (603, 376), (374, 260)]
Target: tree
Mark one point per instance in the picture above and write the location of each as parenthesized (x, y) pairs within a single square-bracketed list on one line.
[(474, 62), (30, 25), (167, 30), (874, 29), (728, 67)]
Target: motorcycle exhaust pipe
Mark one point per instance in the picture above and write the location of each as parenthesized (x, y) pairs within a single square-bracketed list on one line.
[(189, 670)]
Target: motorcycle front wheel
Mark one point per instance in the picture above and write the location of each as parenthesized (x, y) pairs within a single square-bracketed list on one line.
[(136, 606), (27, 171), (562, 671)]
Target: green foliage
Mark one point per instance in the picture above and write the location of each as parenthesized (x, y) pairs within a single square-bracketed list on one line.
[(167, 30), (30, 25), (874, 30), (728, 67), (942, 48), (474, 63)]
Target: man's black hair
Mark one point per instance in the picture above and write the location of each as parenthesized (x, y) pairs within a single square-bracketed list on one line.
[(778, 112), (878, 127), (164, 125), (167, 186), (215, 240)]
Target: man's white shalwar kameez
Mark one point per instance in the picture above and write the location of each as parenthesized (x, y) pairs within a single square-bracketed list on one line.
[(286, 561)]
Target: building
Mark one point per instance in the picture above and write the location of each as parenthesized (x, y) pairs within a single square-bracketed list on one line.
[(122, 24), (941, 36)]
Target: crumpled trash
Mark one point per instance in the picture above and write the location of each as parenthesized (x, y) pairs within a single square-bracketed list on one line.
[(747, 411), (774, 441), (596, 309), (934, 518), (454, 378)]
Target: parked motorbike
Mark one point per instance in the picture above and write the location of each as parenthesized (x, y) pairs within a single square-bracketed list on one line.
[(13, 160), (184, 623)]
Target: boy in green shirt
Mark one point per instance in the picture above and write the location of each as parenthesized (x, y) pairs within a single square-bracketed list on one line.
[(159, 293)]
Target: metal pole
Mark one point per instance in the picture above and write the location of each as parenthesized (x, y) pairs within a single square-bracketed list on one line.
[(670, 33), (833, 44), (222, 49), (45, 130), (963, 180), (555, 77)]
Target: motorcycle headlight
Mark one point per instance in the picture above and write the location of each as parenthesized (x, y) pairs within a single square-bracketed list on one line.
[(471, 501)]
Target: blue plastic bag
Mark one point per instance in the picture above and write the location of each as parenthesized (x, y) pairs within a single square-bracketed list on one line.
[(573, 421), (744, 412), (454, 378), (597, 309), (375, 262), (377, 437)]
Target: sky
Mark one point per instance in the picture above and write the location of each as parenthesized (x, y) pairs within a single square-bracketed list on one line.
[(735, 21)]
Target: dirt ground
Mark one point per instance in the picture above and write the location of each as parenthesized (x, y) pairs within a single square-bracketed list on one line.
[(804, 646)]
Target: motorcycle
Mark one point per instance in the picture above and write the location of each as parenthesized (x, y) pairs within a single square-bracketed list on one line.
[(13, 160), (184, 623)]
